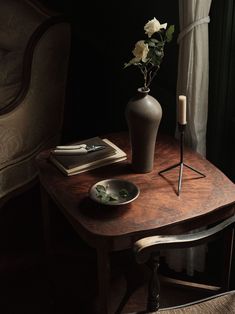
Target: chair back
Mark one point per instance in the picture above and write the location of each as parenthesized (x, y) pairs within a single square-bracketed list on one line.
[(147, 250), (18, 20), (34, 61)]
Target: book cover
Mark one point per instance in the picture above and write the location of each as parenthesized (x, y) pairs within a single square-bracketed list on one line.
[(73, 161), (71, 165)]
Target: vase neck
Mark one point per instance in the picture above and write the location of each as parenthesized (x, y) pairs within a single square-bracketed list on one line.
[(142, 90)]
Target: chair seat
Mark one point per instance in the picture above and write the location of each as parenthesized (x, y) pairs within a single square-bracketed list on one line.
[(219, 304), (223, 303)]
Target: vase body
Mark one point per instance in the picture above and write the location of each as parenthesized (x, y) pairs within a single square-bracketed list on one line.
[(143, 115)]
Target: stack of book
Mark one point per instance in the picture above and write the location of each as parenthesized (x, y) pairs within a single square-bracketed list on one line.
[(72, 161)]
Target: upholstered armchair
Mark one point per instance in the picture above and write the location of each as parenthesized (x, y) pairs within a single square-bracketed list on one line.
[(34, 55)]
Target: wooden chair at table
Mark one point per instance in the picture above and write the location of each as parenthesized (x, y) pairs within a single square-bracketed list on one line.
[(147, 251)]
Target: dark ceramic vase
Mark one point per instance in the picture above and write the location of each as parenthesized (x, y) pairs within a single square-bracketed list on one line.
[(143, 115)]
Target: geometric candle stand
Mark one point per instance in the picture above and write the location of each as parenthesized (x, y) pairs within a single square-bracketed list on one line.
[(181, 164)]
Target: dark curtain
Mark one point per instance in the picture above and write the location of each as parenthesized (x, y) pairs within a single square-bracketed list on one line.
[(221, 120)]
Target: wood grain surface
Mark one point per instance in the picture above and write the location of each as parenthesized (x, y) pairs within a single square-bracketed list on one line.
[(157, 210)]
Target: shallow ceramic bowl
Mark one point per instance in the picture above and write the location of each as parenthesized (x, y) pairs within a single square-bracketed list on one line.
[(116, 192)]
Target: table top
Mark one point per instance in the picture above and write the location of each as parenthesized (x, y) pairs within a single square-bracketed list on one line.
[(157, 210)]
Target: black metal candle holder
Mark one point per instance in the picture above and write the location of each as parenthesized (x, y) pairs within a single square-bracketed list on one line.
[(181, 164)]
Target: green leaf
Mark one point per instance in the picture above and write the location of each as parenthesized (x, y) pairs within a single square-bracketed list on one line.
[(113, 197), (123, 193), (100, 188), (169, 33), (160, 44), (159, 53), (129, 63), (132, 62), (154, 40), (151, 44), (155, 56)]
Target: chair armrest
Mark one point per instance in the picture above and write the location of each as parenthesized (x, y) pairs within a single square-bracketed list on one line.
[(144, 247)]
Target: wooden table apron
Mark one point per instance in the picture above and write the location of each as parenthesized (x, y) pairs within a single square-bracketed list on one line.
[(157, 210)]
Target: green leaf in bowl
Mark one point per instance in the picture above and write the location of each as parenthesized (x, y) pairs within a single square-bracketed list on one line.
[(124, 193), (110, 197)]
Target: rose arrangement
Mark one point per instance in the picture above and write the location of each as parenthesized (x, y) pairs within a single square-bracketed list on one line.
[(148, 53)]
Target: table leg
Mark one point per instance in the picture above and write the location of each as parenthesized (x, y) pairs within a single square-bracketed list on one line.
[(103, 264), (228, 254), (46, 219), (45, 199)]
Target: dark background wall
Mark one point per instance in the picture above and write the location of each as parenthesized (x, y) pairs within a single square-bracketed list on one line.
[(103, 36)]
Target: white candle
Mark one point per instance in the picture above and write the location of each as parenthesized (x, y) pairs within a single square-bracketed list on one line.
[(182, 110)]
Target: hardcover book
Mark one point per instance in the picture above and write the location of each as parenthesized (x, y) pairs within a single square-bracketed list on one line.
[(74, 164)]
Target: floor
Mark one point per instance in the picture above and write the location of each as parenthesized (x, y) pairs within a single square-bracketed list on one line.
[(64, 282), (29, 287)]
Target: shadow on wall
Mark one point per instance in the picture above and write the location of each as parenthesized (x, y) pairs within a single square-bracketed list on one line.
[(98, 86)]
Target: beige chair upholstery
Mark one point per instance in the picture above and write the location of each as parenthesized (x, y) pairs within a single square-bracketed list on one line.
[(34, 55)]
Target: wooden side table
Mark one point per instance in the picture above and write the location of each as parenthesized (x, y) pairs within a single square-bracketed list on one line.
[(157, 210)]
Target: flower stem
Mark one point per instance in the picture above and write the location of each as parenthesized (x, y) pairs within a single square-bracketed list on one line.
[(145, 74), (152, 76)]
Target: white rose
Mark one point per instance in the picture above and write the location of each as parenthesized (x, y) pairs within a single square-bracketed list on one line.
[(153, 26), (140, 51)]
